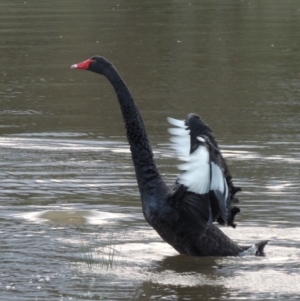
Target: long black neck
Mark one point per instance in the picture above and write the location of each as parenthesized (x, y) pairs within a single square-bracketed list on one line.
[(147, 175)]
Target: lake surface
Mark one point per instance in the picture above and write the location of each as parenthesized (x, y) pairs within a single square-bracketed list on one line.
[(71, 225)]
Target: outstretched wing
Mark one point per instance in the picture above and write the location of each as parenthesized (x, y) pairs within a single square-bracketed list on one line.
[(203, 170), (197, 127)]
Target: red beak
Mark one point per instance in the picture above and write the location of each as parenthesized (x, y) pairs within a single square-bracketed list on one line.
[(82, 65)]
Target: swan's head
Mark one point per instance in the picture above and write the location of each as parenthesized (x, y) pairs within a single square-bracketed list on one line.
[(96, 64)]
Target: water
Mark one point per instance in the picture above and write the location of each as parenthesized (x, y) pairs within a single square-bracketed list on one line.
[(71, 220)]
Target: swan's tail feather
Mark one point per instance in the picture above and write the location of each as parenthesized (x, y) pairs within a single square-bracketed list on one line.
[(256, 249), (260, 248)]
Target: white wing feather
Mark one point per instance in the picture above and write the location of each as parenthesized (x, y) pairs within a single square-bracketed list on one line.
[(177, 131), (176, 122), (200, 175), (218, 181), (217, 178), (181, 138), (196, 175)]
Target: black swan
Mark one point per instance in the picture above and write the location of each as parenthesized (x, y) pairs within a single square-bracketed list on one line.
[(183, 214)]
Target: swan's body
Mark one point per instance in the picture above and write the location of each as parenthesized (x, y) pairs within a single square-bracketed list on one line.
[(183, 214)]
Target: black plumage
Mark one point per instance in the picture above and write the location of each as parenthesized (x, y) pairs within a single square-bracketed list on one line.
[(182, 217)]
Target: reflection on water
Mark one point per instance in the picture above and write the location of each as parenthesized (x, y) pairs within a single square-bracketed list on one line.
[(71, 220)]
